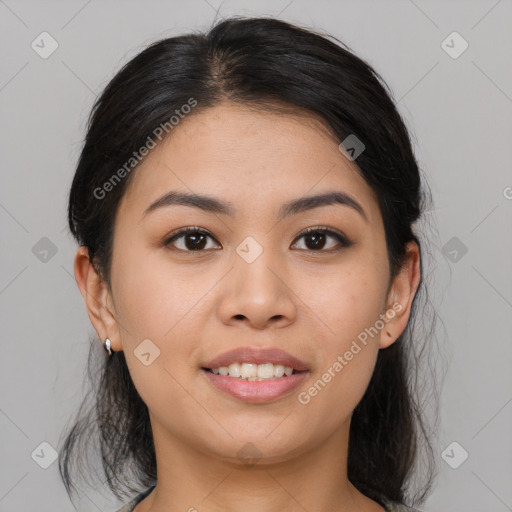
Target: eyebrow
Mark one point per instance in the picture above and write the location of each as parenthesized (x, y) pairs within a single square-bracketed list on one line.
[(213, 205)]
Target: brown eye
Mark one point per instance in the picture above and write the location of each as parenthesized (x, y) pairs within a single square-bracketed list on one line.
[(191, 239), (316, 239)]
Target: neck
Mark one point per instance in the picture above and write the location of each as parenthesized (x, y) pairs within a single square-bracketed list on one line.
[(193, 480)]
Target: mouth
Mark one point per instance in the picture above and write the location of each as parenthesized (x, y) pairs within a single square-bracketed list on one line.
[(255, 375), (251, 372), (255, 362), (255, 390)]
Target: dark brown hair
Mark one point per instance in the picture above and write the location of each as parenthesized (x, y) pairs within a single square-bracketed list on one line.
[(261, 62)]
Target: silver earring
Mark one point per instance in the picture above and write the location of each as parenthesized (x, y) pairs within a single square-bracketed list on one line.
[(106, 344)]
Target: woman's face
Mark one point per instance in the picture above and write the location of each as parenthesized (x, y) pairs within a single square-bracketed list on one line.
[(254, 280)]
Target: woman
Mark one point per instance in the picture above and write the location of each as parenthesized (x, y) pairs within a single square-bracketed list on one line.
[(244, 204)]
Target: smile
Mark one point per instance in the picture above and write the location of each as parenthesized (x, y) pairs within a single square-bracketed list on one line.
[(256, 390), (254, 372)]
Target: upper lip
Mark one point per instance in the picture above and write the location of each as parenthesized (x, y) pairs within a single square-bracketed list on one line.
[(256, 355)]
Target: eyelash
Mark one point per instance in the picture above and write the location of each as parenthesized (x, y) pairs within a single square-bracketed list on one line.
[(343, 240)]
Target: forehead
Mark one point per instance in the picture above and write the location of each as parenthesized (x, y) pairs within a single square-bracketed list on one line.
[(255, 159)]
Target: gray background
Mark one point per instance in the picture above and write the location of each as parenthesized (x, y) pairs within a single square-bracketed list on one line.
[(459, 112)]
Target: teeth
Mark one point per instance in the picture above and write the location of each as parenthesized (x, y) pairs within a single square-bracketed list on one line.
[(254, 372), (265, 371), (234, 370), (248, 370), (278, 370)]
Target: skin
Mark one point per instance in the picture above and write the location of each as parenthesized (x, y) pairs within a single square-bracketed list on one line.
[(192, 309)]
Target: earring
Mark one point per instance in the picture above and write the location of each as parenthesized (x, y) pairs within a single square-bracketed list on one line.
[(106, 344)]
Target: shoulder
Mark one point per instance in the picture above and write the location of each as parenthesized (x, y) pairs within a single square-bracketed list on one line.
[(388, 504), (390, 507)]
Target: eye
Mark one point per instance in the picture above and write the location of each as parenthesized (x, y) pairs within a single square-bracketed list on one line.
[(193, 238), (316, 237)]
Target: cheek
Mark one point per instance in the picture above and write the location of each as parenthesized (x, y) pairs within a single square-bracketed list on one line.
[(345, 303), (332, 395), (152, 298), (156, 305), (347, 306), (162, 304), (349, 348)]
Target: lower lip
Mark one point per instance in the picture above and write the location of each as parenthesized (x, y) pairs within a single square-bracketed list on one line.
[(256, 392)]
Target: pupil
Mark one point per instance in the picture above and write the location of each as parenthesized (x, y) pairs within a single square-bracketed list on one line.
[(318, 239), (195, 244)]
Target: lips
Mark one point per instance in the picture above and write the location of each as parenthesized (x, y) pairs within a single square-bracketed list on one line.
[(261, 392), (256, 355)]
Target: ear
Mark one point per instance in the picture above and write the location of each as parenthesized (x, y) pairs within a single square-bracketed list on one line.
[(98, 299), (401, 295)]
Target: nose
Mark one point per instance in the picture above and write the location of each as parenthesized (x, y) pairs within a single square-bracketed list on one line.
[(258, 295)]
